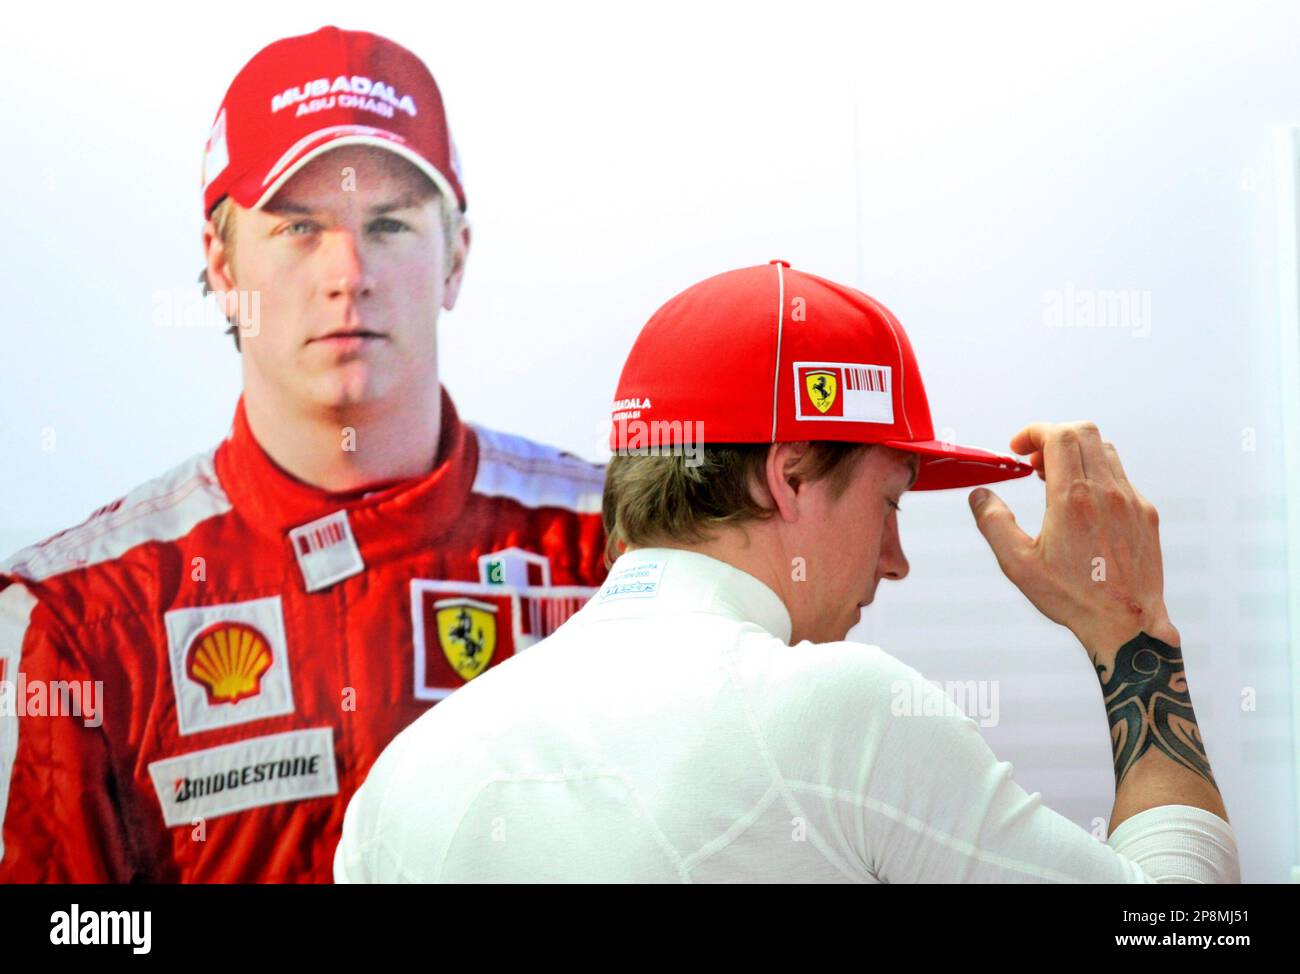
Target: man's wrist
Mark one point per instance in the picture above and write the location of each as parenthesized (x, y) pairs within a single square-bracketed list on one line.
[(1103, 642), (1149, 706)]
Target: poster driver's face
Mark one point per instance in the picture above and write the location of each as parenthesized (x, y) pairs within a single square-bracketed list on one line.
[(352, 268)]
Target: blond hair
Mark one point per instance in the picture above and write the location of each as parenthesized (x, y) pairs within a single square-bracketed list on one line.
[(658, 499)]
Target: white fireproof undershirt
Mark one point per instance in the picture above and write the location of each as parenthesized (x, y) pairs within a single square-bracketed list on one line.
[(668, 733)]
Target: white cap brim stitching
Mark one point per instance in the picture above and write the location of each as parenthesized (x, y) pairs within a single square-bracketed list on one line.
[(356, 138)]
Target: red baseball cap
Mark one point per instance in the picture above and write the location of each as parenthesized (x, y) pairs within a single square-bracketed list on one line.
[(767, 354), (301, 96)]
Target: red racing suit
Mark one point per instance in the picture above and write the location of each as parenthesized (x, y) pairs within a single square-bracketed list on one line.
[(194, 681)]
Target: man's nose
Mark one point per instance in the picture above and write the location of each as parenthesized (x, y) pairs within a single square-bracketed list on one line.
[(344, 266), (892, 560)]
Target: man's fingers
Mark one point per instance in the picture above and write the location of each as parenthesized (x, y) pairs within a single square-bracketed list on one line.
[(998, 525), (1116, 468), (1035, 460), (1060, 447), (1096, 465), (1030, 438)]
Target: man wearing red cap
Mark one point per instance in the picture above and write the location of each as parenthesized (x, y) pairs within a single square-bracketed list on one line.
[(701, 718), (247, 632)]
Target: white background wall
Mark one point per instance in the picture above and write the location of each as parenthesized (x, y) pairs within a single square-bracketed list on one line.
[(961, 165)]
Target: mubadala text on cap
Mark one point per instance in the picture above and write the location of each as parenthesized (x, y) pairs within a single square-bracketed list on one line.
[(354, 85)]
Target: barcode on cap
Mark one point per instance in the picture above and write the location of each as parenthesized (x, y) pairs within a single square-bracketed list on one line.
[(867, 380)]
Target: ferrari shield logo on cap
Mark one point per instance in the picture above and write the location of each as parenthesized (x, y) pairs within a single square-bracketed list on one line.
[(467, 632), (822, 387), (843, 392)]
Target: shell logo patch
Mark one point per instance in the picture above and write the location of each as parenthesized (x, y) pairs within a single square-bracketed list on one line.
[(822, 386), (229, 663), (229, 659), (467, 633)]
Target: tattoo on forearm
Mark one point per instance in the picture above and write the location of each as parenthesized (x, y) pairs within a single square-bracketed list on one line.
[(1148, 706)]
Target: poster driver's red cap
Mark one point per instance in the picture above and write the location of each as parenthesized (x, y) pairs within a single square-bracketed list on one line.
[(768, 354), (302, 96)]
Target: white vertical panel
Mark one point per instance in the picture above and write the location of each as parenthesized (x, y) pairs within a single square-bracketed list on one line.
[(1287, 156)]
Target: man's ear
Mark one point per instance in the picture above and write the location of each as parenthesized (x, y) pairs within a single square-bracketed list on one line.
[(220, 277), (217, 259), (456, 265), (781, 479)]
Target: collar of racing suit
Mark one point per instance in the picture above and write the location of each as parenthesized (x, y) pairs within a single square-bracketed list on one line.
[(668, 581), (386, 519)]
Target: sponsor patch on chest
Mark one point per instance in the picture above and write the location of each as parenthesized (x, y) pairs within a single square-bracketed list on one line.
[(248, 774), (514, 567), (461, 629), (229, 663)]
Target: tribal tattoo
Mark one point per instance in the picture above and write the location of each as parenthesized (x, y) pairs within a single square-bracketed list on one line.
[(1148, 706)]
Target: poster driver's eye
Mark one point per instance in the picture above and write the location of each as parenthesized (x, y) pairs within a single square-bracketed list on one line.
[(388, 225)]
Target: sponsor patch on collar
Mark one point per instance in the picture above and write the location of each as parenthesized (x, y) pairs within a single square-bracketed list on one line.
[(639, 580), (229, 663), (248, 774), (326, 551)]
